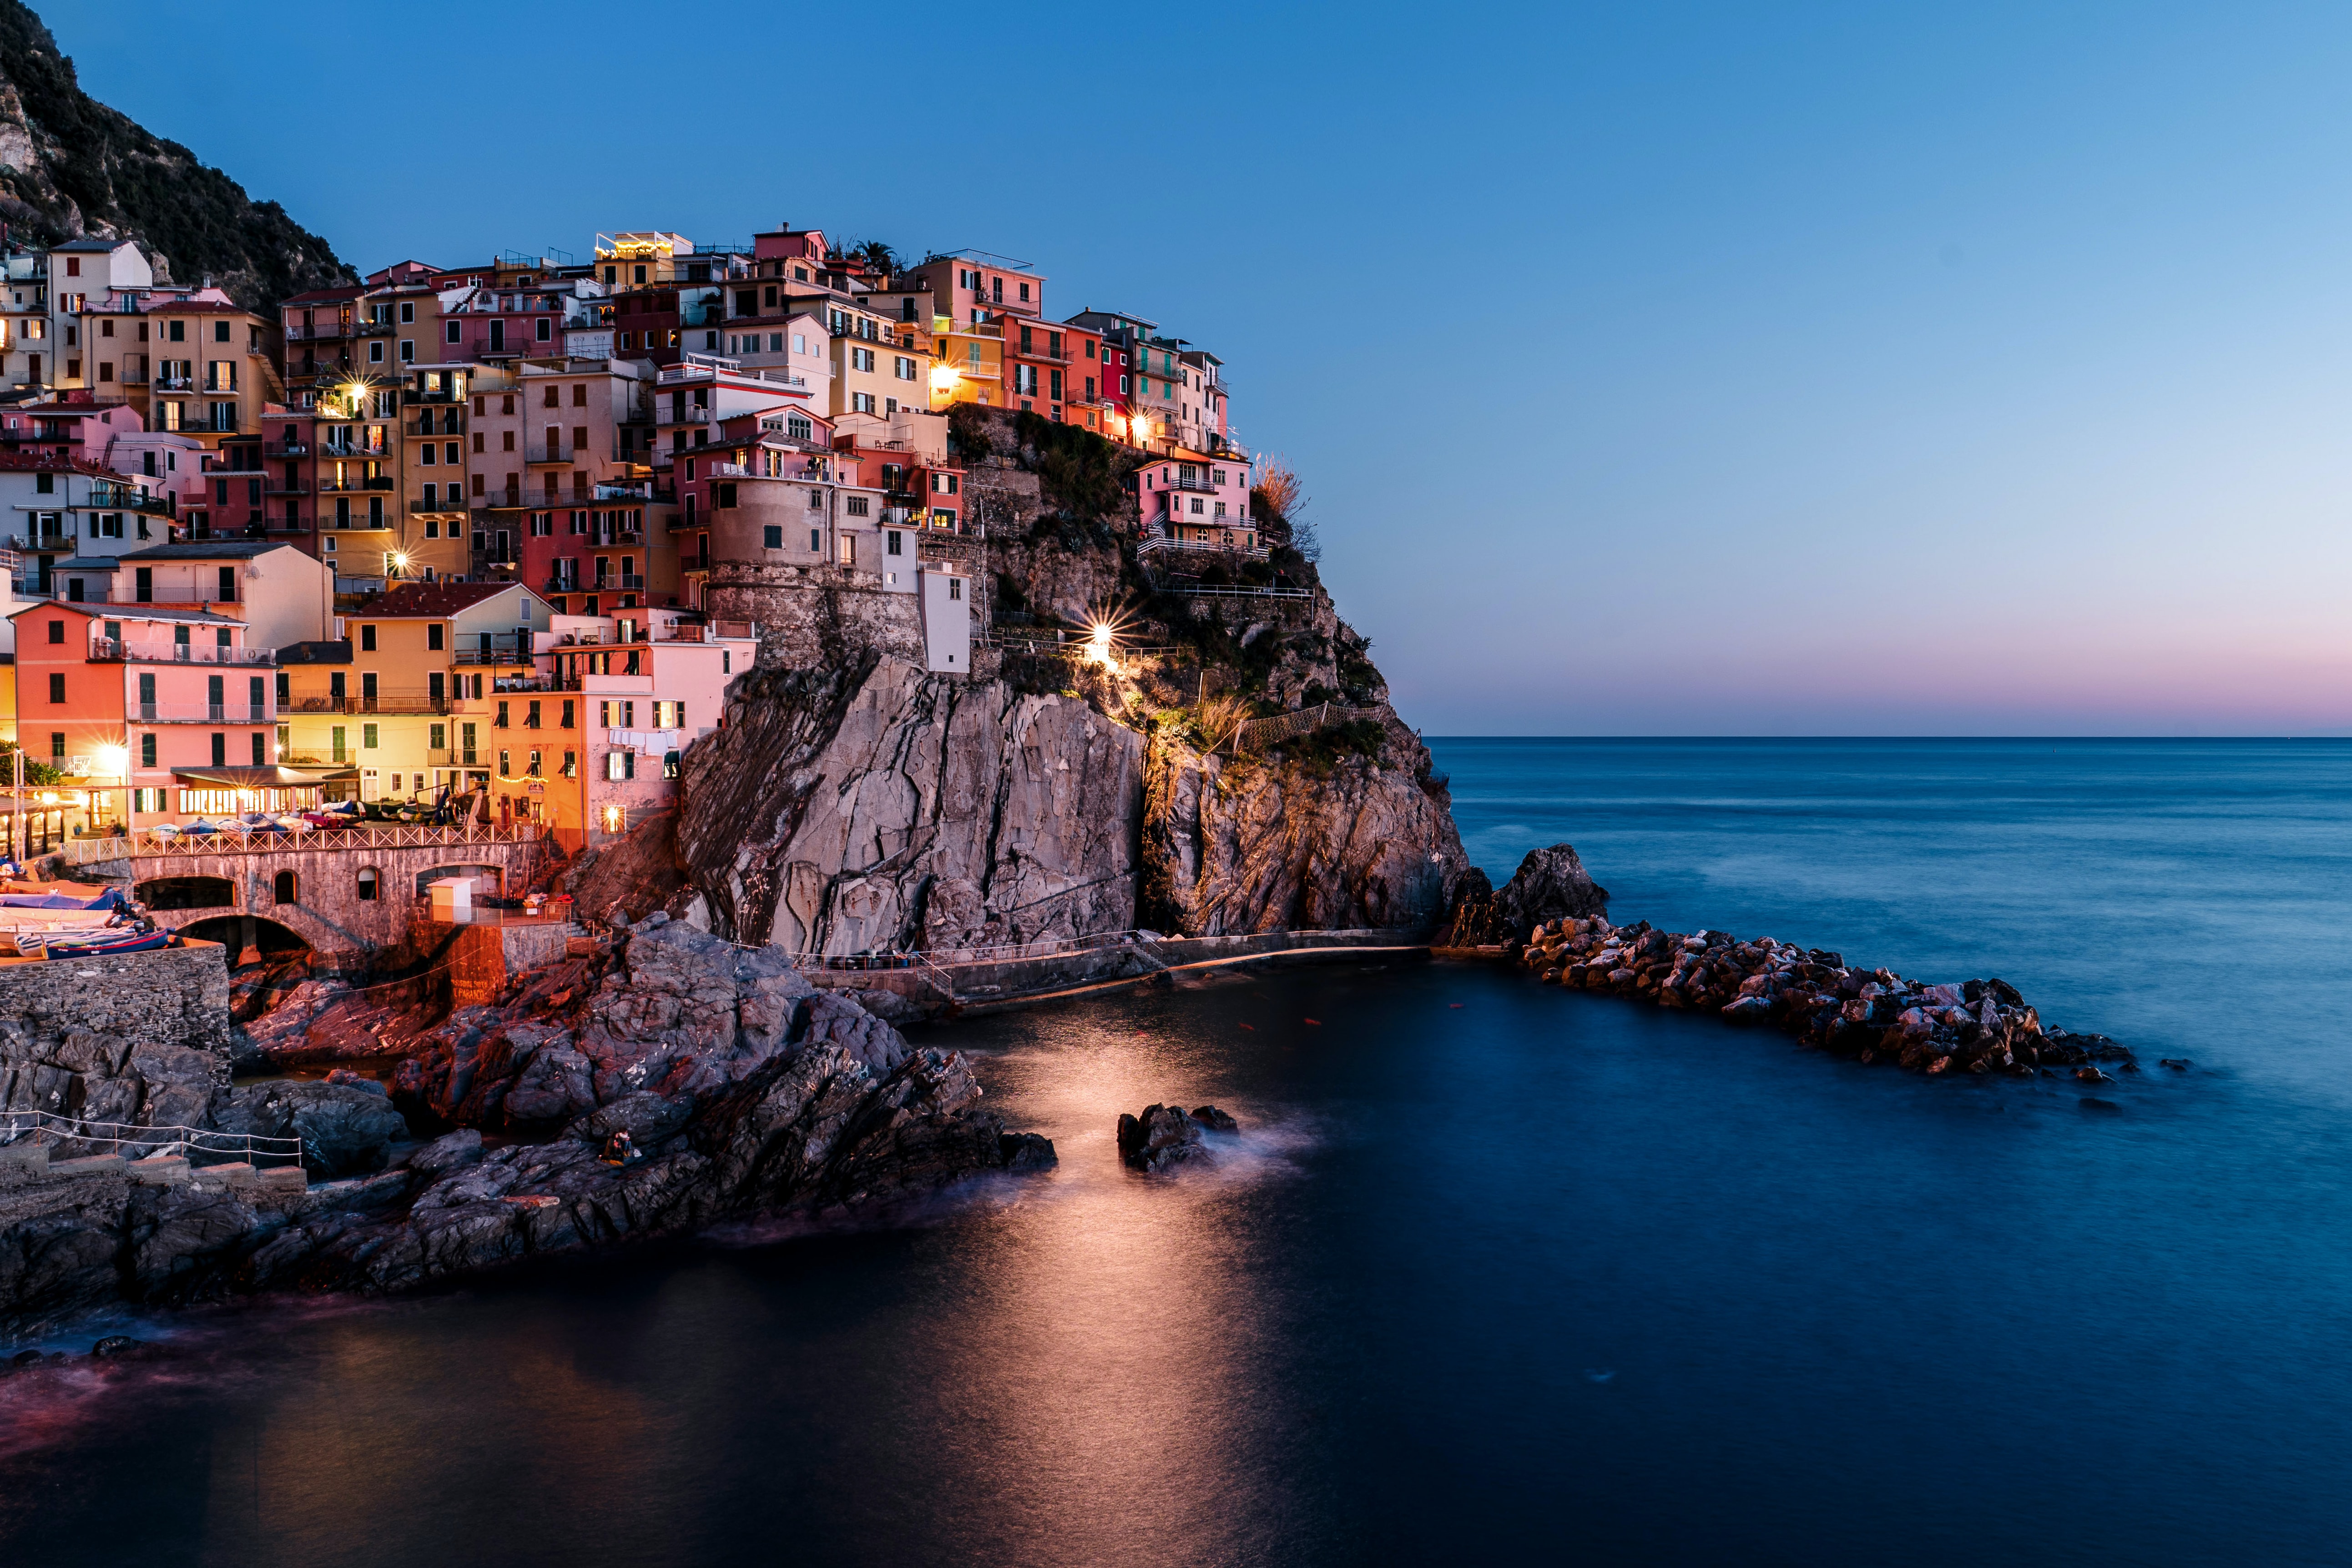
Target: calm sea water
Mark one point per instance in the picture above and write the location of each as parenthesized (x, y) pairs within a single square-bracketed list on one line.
[(1493, 1272)]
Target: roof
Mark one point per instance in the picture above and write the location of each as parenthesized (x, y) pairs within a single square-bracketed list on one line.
[(430, 600), (316, 653), (208, 549), (249, 778), (324, 296), (130, 613), (87, 243), (86, 563)]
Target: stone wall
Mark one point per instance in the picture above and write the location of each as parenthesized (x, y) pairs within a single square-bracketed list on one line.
[(173, 996), (811, 617)]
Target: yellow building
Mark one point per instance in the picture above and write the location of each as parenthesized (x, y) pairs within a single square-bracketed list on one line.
[(413, 693)]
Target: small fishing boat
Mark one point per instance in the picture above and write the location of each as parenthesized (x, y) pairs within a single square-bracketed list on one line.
[(106, 946)]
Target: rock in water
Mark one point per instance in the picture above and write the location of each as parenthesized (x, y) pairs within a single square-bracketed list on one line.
[(1550, 885), (1162, 1136), (1215, 1120)]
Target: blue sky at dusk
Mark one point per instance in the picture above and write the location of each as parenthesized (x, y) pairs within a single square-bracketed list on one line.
[(1679, 369)]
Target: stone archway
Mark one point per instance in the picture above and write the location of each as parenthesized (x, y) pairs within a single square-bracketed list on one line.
[(187, 893)]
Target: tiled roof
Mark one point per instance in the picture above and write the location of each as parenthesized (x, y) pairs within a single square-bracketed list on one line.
[(432, 601), (316, 652), (207, 549)]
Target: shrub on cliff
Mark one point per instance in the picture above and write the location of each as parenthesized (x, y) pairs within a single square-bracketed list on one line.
[(1078, 472)]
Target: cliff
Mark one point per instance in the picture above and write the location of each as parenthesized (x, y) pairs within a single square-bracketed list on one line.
[(852, 801), (70, 166)]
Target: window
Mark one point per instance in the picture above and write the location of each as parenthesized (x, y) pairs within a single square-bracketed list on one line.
[(620, 765), (283, 887), (500, 721), (220, 749), (58, 628), (857, 505), (367, 737), (902, 367), (816, 541), (146, 751), (57, 688), (369, 883), (861, 359), (407, 310), (367, 639), (955, 587), (861, 401), (567, 713), (506, 764), (773, 536), (433, 635), (726, 497)]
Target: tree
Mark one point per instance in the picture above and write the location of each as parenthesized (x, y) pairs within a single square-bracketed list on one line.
[(872, 254), (36, 772), (1276, 501)]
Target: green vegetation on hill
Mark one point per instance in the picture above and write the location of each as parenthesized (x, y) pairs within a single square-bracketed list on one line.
[(71, 166)]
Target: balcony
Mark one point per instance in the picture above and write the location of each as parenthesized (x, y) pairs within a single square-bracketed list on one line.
[(106, 650), (201, 713), (535, 456), (428, 425), (622, 583), (458, 757), (1181, 483), (560, 585), (691, 415), (437, 507), (279, 488), (486, 658), (175, 384), (348, 486)]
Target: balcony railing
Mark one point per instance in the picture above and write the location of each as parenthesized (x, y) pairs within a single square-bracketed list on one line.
[(475, 656), (354, 486), (201, 712), (393, 702), (556, 454), (622, 583), (107, 650), (690, 414)]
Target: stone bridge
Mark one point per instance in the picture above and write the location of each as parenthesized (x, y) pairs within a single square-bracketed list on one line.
[(346, 893)]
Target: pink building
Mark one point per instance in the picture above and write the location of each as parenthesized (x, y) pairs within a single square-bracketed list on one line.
[(165, 702), (1192, 501)]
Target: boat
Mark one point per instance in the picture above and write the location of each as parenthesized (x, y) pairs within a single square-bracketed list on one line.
[(108, 946)]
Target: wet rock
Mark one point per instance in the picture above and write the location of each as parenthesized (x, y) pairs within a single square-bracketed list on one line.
[(1214, 1119), (448, 1153), (2177, 1064), (1163, 1136), (115, 1346), (344, 1130), (1550, 885)]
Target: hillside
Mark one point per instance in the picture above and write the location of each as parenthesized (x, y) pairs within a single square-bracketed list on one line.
[(71, 166)]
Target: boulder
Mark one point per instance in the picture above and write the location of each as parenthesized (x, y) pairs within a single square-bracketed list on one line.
[(1550, 885), (344, 1130), (1215, 1120), (1163, 1136)]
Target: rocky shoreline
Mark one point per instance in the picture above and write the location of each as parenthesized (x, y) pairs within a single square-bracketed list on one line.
[(742, 1090), (1553, 919)]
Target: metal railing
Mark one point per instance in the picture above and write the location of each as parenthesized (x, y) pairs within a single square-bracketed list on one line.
[(1161, 546), (1259, 732), (150, 843), (107, 650), (157, 1140), (558, 453)]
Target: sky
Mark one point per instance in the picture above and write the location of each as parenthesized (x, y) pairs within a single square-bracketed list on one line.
[(1673, 369)]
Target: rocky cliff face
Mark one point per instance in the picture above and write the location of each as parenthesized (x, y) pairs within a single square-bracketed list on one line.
[(878, 806), (71, 166)]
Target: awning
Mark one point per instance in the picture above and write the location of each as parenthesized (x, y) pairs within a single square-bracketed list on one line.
[(254, 778)]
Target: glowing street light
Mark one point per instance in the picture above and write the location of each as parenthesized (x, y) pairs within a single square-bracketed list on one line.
[(112, 761)]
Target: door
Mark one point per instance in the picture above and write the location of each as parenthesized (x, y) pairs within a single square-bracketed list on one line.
[(258, 691), (367, 690), (465, 743), (215, 702), (147, 699)]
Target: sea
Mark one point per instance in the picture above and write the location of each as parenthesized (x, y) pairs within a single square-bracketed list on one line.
[(1492, 1272)]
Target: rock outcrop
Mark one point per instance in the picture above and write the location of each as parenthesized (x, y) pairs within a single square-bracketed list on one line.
[(1550, 885), (744, 1092), (1159, 1139), (1869, 1015), (1270, 843), (876, 807)]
